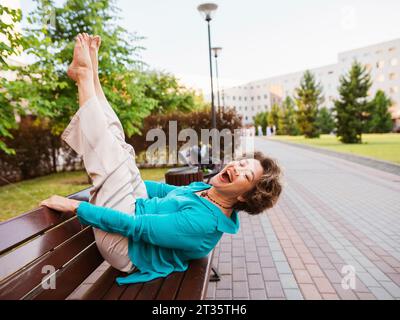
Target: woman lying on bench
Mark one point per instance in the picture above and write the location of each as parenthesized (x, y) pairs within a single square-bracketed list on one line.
[(145, 226)]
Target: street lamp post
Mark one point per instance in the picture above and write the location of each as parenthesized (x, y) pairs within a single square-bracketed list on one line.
[(216, 51), (207, 10)]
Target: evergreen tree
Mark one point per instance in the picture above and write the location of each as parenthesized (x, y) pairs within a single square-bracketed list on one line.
[(261, 119), (352, 105), (287, 118), (380, 119), (308, 97), (273, 117), (325, 122)]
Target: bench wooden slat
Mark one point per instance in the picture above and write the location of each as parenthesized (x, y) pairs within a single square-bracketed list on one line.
[(98, 289), (150, 289), (170, 287), (131, 291), (27, 279), (27, 226), (72, 275), (195, 281), (20, 229), (34, 249), (114, 292)]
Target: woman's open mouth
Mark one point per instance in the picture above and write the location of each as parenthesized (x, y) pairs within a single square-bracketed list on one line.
[(225, 177)]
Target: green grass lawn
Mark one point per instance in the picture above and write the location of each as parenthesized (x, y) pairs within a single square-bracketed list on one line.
[(22, 196), (378, 146)]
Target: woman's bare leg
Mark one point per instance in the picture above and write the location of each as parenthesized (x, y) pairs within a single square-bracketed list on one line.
[(113, 121), (88, 133), (116, 179)]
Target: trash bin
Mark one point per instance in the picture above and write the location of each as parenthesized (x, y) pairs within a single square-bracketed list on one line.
[(182, 176)]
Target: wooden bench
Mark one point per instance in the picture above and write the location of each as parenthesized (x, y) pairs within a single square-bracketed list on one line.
[(42, 243)]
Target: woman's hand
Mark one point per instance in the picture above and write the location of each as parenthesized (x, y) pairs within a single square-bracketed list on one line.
[(61, 204)]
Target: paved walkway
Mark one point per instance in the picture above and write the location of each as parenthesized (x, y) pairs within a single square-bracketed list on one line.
[(334, 216)]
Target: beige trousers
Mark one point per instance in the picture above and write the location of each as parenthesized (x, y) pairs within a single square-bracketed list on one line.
[(96, 134)]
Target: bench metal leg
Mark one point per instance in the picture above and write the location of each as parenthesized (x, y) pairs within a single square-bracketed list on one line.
[(215, 276)]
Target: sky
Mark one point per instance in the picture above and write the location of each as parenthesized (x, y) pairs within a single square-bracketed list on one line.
[(260, 38)]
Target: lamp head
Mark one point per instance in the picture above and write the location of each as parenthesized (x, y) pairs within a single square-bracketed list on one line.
[(207, 10), (216, 51)]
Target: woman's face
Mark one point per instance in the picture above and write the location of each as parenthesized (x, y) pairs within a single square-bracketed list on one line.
[(237, 178)]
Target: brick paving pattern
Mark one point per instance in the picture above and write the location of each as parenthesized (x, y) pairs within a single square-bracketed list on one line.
[(333, 215)]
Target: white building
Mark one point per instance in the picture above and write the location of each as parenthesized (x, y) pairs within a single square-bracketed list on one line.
[(382, 61)]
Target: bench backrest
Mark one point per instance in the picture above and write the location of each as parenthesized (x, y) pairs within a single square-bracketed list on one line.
[(40, 246)]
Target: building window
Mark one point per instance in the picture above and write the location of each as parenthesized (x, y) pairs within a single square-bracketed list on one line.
[(245, 108), (266, 107), (247, 118), (258, 98), (380, 64), (245, 98), (252, 108), (240, 98), (252, 98), (233, 98), (394, 89), (392, 76), (265, 96), (394, 62), (381, 78)]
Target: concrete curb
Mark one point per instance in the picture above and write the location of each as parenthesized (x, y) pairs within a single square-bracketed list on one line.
[(366, 161)]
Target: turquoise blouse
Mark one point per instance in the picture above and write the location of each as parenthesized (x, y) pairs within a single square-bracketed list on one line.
[(171, 227)]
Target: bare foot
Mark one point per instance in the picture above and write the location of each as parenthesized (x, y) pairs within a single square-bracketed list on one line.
[(81, 64), (95, 42)]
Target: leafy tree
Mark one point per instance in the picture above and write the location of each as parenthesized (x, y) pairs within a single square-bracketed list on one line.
[(380, 119), (12, 45), (287, 118), (52, 94), (169, 95), (308, 97), (325, 122), (352, 106)]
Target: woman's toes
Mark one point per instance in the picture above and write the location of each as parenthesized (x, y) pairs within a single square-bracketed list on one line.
[(80, 39), (97, 40), (92, 43)]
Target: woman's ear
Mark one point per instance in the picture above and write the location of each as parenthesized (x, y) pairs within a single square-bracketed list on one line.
[(241, 199)]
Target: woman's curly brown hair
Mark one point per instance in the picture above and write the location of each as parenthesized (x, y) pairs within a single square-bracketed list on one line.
[(266, 192)]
